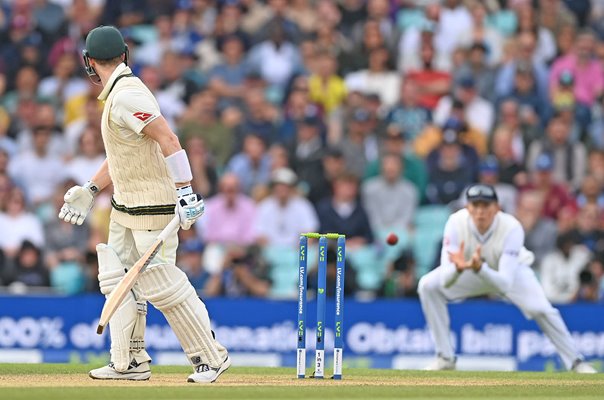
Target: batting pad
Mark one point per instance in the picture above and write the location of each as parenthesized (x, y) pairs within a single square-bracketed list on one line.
[(169, 290), (127, 326)]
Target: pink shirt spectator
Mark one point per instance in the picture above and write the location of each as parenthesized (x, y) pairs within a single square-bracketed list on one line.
[(228, 225), (589, 79)]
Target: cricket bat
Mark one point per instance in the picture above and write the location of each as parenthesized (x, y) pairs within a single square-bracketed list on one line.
[(118, 294)]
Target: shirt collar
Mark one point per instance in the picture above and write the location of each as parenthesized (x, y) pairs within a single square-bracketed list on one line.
[(483, 238), (121, 69)]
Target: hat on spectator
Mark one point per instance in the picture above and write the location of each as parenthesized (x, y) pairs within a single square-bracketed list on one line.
[(544, 162), (310, 120), (478, 46), (285, 176), (190, 246), (489, 165), (467, 82), (454, 124)]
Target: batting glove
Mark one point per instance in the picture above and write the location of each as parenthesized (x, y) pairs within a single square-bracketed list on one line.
[(78, 202), (189, 207)]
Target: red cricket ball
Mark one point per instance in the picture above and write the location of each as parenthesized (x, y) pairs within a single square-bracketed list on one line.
[(392, 239)]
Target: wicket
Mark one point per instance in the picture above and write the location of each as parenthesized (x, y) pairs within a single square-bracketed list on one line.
[(321, 298)]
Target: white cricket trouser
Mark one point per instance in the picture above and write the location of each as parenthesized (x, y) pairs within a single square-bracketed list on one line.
[(526, 293), (168, 289)]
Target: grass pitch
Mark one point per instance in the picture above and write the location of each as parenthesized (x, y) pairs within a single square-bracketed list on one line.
[(70, 381)]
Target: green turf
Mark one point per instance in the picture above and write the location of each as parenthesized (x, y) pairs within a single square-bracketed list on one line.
[(358, 384)]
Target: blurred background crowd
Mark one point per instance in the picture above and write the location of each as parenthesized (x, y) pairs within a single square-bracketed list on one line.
[(361, 117)]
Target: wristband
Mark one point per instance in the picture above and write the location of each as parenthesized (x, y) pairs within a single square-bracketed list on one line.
[(184, 190), (93, 187), (178, 165)]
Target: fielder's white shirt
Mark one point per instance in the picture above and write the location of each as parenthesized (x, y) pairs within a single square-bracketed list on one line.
[(502, 248)]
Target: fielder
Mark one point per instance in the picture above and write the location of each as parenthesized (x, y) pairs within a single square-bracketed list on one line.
[(151, 178), (483, 253)]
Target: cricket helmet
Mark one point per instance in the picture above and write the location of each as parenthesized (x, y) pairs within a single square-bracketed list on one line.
[(103, 43)]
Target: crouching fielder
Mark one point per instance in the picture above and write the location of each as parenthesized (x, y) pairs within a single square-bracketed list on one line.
[(151, 179), (483, 253)]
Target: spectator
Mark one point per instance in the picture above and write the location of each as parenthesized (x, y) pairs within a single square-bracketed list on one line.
[(540, 232), (307, 153), (200, 119), (38, 171), (478, 112), (533, 109), (276, 59), (569, 159), (244, 274), (524, 52), (488, 40), (414, 169), (344, 213), (589, 82), (253, 165), (560, 270), (203, 167), (88, 159), (230, 215), (378, 79), (64, 241), (360, 147), (188, 259), (407, 114), (281, 217), (450, 173), (476, 66), (528, 22), (333, 164), (227, 79), (326, 88), (18, 225), (591, 193), (587, 230), (28, 268), (400, 278), (557, 196), (259, 117), (432, 81), (389, 200)]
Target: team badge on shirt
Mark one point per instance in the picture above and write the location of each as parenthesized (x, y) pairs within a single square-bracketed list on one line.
[(143, 116)]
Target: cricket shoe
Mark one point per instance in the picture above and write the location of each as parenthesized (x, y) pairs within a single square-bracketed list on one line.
[(581, 367), (441, 364), (205, 374), (135, 372)]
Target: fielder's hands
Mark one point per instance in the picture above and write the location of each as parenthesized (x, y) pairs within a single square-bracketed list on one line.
[(189, 206), (457, 258), (78, 202)]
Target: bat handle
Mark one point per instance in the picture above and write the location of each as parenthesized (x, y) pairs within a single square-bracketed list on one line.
[(171, 227)]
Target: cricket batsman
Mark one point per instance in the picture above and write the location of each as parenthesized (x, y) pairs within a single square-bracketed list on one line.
[(151, 178), (483, 253)]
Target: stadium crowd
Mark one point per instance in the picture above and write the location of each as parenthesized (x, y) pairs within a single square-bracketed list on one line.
[(362, 117)]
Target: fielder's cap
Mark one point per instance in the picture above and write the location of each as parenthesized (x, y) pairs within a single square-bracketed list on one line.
[(544, 162), (489, 165), (105, 42), (481, 192), (285, 176)]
